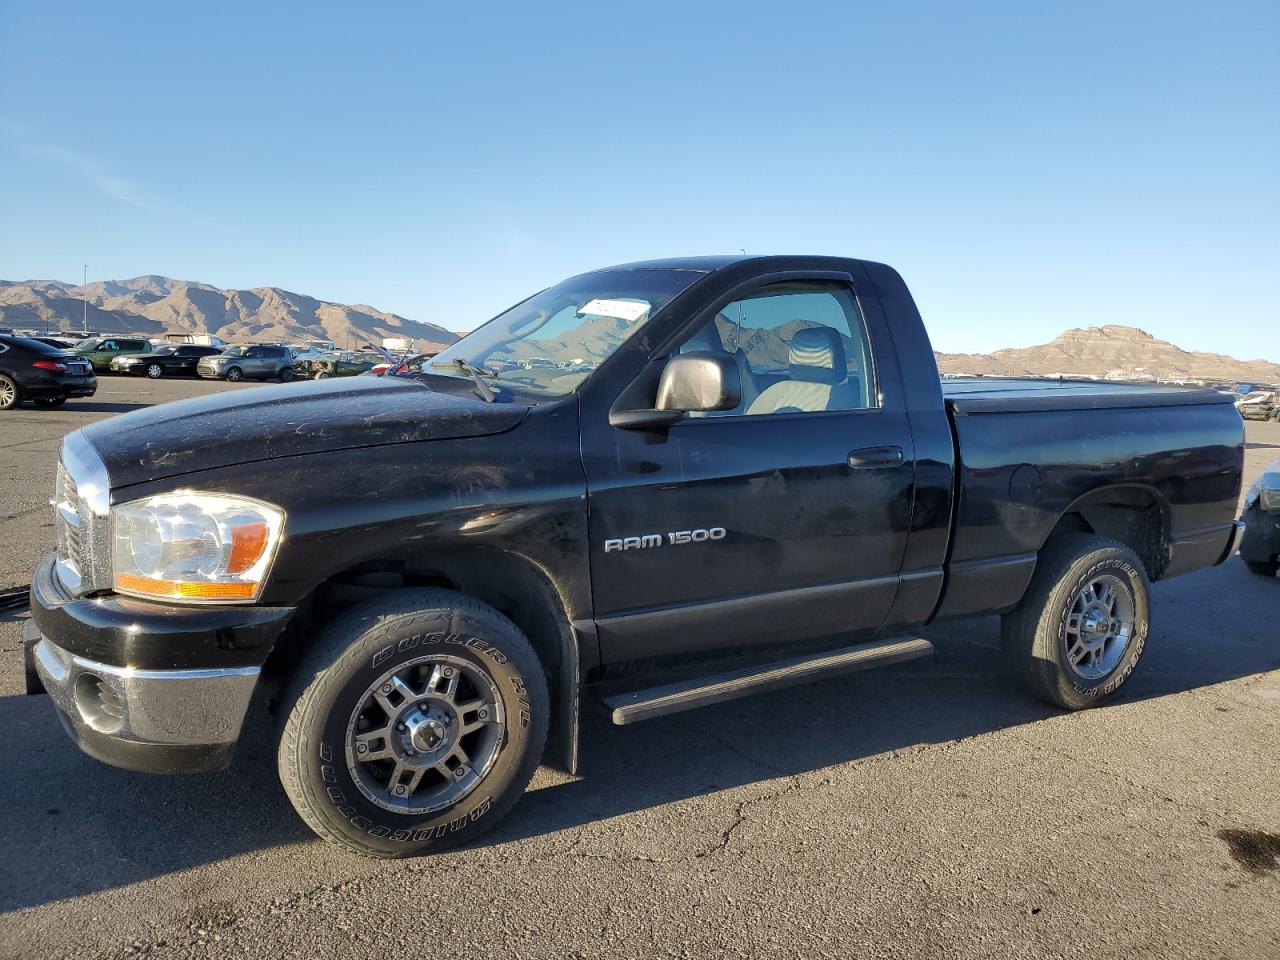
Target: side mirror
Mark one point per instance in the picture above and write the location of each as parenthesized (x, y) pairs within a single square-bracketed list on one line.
[(691, 382)]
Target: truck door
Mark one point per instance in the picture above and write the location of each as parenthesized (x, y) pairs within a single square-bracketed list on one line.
[(783, 519)]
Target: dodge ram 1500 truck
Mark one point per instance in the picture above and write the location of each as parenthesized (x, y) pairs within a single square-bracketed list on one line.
[(745, 462)]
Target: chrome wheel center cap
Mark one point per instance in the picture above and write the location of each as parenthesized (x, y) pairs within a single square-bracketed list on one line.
[(1095, 625), (425, 731)]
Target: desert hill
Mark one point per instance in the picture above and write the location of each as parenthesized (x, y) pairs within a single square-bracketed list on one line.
[(1097, 351), (156, 305)]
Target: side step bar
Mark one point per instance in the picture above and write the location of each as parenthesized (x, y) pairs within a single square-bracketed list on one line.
[(699, 692)]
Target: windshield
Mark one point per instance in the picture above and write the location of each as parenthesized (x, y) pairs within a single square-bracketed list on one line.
[(551, 342), (86, 344), (235, 351)]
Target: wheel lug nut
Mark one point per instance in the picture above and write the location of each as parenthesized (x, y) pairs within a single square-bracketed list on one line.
[(386, 688), (482, 714), (400, 727), (459, 773), (362, 748)]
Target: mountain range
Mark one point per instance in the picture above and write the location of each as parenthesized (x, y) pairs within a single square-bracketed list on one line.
[(1097, 351), (155, 305)]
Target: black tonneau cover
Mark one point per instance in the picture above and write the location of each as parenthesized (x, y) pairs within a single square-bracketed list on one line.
[(977, 395)]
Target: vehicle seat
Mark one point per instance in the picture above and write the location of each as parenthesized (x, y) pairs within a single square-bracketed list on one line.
[(819, 377), (707, 340)]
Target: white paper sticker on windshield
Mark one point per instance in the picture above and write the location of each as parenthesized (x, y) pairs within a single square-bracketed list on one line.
[(629, 310)]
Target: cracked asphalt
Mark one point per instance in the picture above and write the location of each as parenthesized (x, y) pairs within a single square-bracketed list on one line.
[(924, 810)]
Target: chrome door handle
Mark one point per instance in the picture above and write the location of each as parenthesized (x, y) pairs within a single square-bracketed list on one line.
[(876, 457)]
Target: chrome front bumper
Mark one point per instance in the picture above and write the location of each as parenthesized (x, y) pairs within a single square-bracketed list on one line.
[(162, 721)]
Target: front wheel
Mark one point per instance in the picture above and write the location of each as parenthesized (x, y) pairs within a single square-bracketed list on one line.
[(1081, 627), (155, 371), (235, 374), (414, 723)]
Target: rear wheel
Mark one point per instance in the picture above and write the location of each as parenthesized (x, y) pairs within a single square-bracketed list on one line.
[(155, 371), (10, 393), (235, 374), (1081, 627), (323, 375), (286, 375), (49, 403), (413, 724)]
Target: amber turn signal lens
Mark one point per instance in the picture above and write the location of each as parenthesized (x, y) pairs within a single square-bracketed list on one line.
[(185, 591), (247, 543)]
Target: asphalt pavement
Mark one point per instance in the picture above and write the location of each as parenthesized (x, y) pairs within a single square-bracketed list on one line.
[(926, 810)]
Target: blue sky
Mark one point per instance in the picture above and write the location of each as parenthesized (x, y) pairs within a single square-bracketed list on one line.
[(1028, 167)]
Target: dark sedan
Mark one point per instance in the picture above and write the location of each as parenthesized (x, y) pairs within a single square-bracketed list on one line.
[(45, 375), (167, 360)]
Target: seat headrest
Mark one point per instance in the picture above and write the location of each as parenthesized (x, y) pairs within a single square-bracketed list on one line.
[(706, 340), (817, 356)]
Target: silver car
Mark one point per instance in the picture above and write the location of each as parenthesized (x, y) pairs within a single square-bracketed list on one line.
[(253, 362)]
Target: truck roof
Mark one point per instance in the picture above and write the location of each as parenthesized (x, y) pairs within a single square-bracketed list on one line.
[(1013, 395)]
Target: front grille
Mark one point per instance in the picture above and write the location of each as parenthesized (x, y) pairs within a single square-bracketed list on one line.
[(68, 520), (80, 531)]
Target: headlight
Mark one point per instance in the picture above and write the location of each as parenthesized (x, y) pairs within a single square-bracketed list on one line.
[(193, 546), (1270, 499)]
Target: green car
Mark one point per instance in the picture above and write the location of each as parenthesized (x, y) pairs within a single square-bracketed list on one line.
[(100, 351), (342, 363)]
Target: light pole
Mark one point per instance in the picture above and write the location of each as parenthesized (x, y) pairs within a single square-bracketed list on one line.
[(86, 299)]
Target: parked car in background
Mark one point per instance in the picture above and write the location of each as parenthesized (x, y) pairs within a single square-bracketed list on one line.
[(196, 339), (405, 367), (1258, 405), (100, 351), (45, 375), (166, 360), (342, 363), (58, 343), (257, 361), (1260, 548)]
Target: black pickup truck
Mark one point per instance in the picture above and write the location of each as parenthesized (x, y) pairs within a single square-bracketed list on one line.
[(749, 464)]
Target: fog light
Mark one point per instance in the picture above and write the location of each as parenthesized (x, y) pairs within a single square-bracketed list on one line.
[(98, 704)]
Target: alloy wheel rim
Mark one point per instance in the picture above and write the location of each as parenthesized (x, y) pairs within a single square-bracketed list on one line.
[(424, 734), (1099, 627), (7, 392)]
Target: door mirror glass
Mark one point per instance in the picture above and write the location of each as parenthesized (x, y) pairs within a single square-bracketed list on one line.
[(699, 382)]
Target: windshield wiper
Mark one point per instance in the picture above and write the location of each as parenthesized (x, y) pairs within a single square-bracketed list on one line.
[(475, 372)]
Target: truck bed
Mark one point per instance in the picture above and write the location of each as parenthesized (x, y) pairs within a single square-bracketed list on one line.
[(973, 395)]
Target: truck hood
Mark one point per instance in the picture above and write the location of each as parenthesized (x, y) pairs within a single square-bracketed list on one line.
[(241, 426)]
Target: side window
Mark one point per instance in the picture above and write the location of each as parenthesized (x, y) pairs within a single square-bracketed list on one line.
[(254, 352), (108, 345), (800, 347)]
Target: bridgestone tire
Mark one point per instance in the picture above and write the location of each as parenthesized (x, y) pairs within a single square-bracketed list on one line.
[(1034, 633), (356, 650)]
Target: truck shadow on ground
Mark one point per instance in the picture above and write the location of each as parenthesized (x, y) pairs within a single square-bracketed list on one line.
[(75, 826)]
